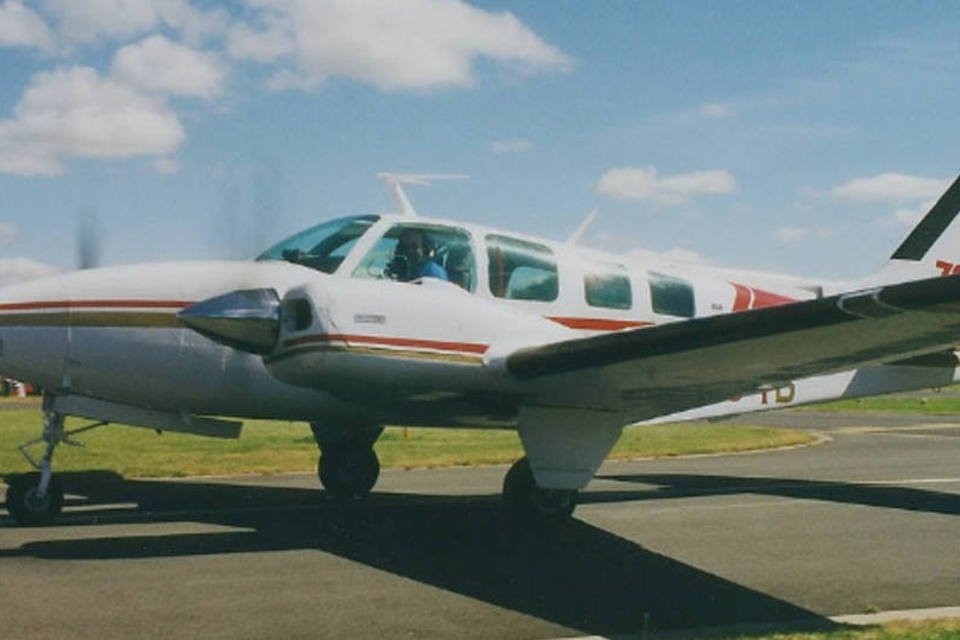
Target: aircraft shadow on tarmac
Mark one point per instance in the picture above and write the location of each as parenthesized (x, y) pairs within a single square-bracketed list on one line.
[(687, 486), (575, 575)]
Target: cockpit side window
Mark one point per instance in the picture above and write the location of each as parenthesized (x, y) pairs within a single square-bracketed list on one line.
[(521, 270), (409, 252), (322, 247)]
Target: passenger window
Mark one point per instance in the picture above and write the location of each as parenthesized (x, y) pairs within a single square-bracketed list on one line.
[(671, 296), (411, 252), (521, 270), (608, 290)]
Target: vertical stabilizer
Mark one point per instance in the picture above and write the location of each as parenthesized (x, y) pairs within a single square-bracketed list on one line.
[(933, 246)]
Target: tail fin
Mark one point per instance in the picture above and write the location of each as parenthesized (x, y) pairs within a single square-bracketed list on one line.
[(932, 248)]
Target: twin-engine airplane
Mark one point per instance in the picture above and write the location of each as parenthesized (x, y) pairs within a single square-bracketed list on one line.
[(377, 319)]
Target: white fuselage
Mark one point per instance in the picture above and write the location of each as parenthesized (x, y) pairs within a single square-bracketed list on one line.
[(370, 349)]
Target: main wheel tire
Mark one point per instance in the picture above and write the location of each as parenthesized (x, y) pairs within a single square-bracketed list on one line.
[(27, 506), (523, 497), (348, 471), (518, 486)]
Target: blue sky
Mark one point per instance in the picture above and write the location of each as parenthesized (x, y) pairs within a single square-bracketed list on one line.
[(800, 137)]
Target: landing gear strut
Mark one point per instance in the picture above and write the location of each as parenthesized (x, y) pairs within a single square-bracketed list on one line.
[(522, 495), (348, 465)]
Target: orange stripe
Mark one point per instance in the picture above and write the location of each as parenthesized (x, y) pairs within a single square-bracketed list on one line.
[(598, 324), (438, 345)]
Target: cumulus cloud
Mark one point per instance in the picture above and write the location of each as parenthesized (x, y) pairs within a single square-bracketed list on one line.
[(415, 44), (75, 112), (512, 145), (159, 65), (890, 187), (13, 270), (21, 26), (266, 45), (632, 183), (104, 20)]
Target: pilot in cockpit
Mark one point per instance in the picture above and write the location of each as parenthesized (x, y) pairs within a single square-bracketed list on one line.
[(413, 257)]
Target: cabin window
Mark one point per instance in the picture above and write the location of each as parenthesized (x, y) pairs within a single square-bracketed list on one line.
[(671, 296), (322, 247), (521, 270), (409, 252), (608, 290)]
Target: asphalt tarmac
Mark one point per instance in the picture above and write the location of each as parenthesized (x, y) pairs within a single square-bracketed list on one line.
[(867, 521)]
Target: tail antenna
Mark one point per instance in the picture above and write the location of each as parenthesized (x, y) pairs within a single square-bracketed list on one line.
[(396, 181)]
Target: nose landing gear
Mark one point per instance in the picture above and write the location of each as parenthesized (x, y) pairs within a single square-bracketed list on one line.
[(36, 499)]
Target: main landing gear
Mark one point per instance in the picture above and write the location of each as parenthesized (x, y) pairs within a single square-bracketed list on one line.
[(348, 466), (522, 496), (35, 499)]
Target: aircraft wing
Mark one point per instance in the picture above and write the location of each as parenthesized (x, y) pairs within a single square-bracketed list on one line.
[(676, 366)]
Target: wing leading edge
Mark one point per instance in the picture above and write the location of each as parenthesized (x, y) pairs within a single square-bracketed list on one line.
[(685, 364)]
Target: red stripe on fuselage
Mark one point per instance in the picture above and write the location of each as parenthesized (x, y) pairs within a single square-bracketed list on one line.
[(753, 298), (95, 304), (599, 324), (416, 343), (743, 298)]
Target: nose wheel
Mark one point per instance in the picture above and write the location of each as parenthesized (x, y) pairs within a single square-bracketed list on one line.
[(29, 505), (35, 499)]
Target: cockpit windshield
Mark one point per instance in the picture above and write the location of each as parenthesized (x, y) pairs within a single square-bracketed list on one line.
[(322, 247)]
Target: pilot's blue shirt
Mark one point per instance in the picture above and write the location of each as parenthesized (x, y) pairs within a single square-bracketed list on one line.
[(430, 269)]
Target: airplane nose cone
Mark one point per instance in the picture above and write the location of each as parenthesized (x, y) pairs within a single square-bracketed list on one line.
[(248, 320)]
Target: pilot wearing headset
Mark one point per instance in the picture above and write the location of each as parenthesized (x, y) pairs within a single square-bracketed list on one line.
[(413, 257)]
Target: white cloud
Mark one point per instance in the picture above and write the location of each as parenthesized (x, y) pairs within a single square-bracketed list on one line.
[(13, 270), (905, 218), (21, 26), (791, 234), (891, 187), (8, 232), (715, 110), (632, 183), (512, 145), (92, 21), (415, 44), (75, 112), (157, 64), (266, 45)]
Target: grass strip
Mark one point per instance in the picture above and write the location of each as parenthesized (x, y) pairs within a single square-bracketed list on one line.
[(931, 404), (907, 630), (278, 447)]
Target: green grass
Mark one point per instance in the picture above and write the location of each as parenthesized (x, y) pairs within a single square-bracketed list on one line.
[(926, 630), (929, 404), (276, 447)]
